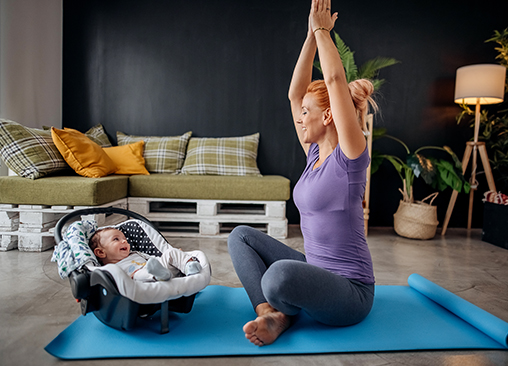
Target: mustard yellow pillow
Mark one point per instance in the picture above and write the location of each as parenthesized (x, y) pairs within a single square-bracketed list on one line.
[(128, 158), (82, 154)]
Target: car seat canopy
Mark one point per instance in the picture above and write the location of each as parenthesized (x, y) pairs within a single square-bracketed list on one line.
[(144, 238)]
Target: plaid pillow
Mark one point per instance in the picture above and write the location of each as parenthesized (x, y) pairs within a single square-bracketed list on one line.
[(97, 135), (29, 152), (222, 156), (162, 154)]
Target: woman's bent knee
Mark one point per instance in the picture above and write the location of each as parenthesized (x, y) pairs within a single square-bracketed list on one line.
[(238, 235), (239, 232), (280, 284), (241, 237)]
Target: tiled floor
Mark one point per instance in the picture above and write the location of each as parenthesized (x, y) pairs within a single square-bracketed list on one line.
[(36, 305)]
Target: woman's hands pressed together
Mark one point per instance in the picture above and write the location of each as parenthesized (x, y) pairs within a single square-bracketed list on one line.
[(320, 18)]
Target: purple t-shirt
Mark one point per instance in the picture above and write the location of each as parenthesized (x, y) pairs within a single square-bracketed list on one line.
[(329, 199)]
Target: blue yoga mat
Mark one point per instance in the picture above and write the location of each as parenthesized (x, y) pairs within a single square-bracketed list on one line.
[(421, 316)]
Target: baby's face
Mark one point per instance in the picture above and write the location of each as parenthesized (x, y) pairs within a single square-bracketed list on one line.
[(115, 245)]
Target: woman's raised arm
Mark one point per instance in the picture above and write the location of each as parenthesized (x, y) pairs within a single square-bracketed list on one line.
[(302, 77), (351, 138)]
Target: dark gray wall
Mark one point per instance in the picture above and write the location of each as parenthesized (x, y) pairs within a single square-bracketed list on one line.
[(222, 68)]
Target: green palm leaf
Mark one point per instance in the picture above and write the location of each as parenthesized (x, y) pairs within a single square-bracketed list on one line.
[(370, 69), (348, 58), (376, 83), (317, 65)]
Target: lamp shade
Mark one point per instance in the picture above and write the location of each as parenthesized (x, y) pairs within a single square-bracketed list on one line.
[(483, 82)]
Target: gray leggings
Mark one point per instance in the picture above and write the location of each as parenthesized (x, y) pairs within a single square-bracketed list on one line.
[(272, 272)]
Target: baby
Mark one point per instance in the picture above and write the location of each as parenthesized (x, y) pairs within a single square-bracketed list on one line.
[(110, 246)]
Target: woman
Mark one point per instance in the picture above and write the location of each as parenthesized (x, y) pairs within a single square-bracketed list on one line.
[(334, 281)]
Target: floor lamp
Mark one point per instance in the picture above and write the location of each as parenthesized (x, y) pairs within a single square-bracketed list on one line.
[(476, 84)]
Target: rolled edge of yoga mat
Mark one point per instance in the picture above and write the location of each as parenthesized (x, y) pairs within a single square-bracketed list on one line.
[(482, 320)]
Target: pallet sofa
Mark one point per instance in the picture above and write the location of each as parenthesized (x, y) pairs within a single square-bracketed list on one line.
[(181, 203)]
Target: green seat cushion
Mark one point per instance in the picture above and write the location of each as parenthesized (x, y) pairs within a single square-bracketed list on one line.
[(247, 188), (63, 190)]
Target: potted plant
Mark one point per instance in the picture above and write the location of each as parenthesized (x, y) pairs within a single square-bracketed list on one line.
[(494, 132), (418, 219)]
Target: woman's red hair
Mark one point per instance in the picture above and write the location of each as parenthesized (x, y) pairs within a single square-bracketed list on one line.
[(360, 90)]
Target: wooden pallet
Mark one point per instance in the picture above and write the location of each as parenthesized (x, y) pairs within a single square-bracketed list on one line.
[(211, 218), (30, 228)]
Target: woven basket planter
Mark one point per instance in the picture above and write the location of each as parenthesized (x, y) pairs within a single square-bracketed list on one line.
[(416, 220)]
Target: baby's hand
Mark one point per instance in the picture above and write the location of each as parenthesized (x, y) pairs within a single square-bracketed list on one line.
[(192, 267)]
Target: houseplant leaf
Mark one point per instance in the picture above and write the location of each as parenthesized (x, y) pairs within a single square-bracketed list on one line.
[(317, 65), (414, 164), (397, 164), (378, 132), (376, 83), (422, 166), (456, 161), (428, 169), (375, 161), (370, 69), (348, 58), (449, 176)]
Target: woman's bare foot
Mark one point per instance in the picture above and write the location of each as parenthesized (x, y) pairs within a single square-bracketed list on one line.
[(267, 327)]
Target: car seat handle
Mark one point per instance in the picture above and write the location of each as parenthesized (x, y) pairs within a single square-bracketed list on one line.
[(94, 211)]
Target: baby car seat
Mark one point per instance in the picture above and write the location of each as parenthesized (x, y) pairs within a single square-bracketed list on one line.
[(116, 299)]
